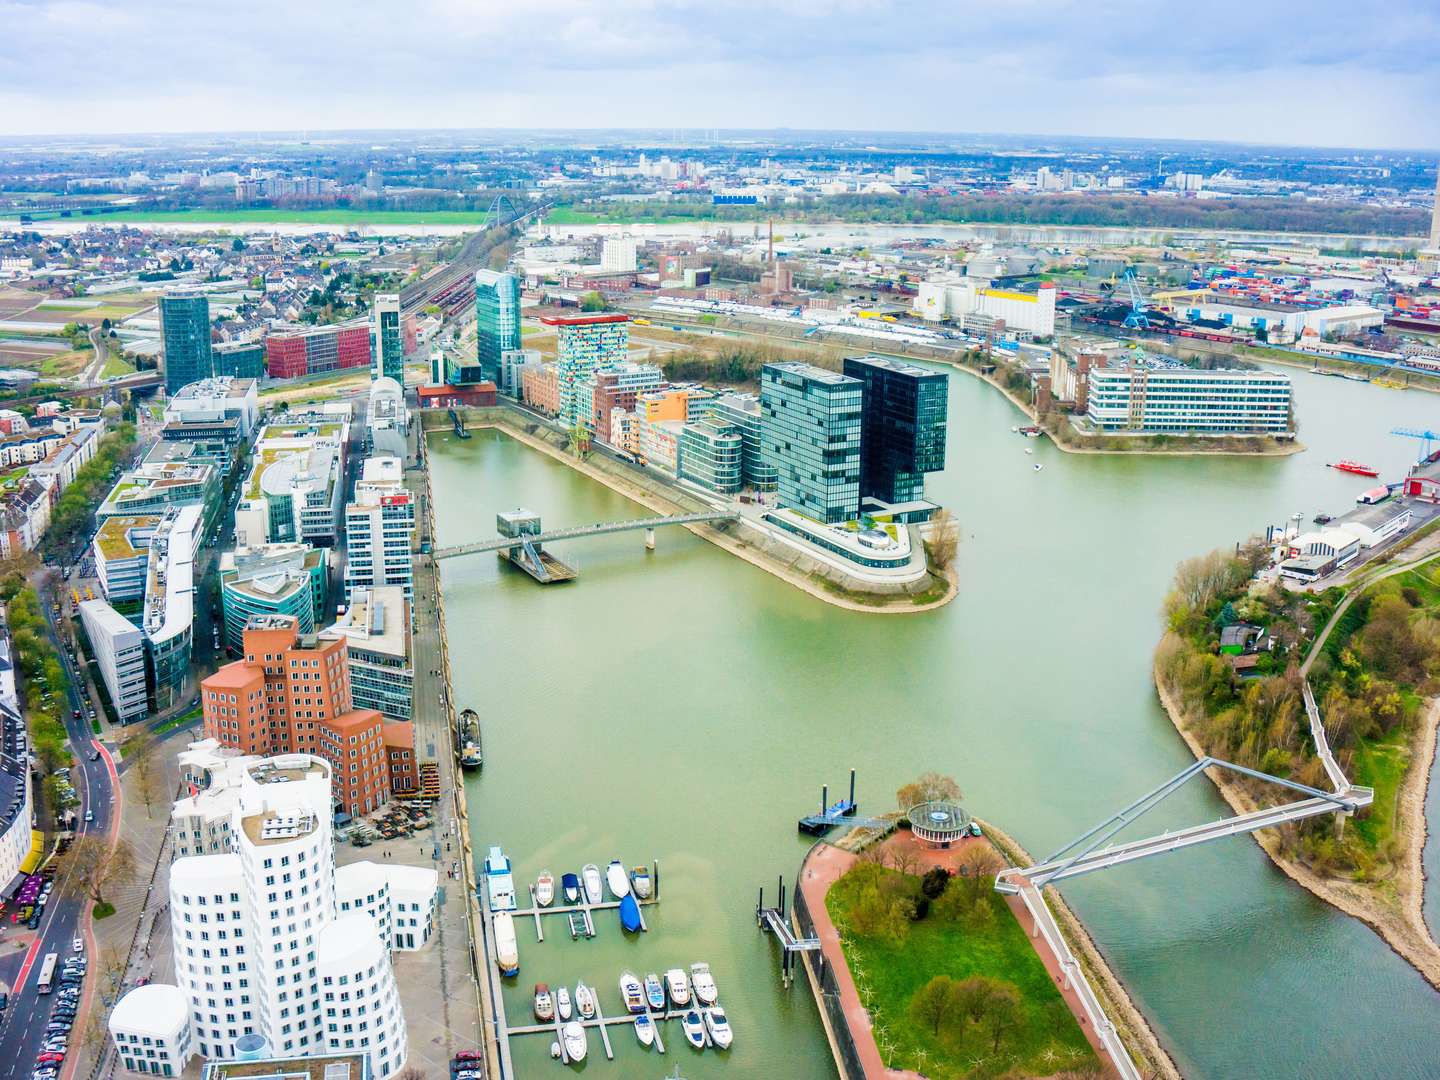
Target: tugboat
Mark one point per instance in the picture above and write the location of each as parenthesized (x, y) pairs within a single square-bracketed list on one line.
[(472, 755), (1355, 467)]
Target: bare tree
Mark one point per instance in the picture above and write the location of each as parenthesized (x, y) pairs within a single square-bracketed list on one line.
[(976, 867), (944, 539), (928, 788), (410, 1072), (144, 766), (94, 867), (904, 858)]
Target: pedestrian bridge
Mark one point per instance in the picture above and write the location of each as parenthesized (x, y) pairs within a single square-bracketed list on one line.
[(580, 532)]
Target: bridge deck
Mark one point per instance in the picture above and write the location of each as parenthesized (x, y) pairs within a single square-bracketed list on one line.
[(580, 532)]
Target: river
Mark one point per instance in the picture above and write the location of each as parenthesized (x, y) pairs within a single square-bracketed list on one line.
[(684, 705)]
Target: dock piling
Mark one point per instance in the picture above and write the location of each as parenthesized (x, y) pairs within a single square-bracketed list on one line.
[(852, 791)]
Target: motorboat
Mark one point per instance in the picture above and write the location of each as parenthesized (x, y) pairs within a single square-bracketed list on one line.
[(632, 992), (544, 1003), (584, 1001), (590, 875), (1038, 466), (645, 1029), (507, 952), (694, 1029), (570, 888), (617, 879), (655, 992), (703, 983), (545, 889), (629, 913), (562, 1003), (499, 882), (1356, 468), (640, 882), (677, 984), (1029, 450), (575, 1044), (719, 1027)]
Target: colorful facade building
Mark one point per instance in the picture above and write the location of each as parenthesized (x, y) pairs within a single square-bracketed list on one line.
[(586, 344), (618, 388), (318, 349)]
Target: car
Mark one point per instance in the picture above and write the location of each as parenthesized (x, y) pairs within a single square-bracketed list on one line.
[(94, 755), (89, 815), (468, 1055), (92, 714), (53, 1056), (4, 1001), (33, 923), (75, 713)]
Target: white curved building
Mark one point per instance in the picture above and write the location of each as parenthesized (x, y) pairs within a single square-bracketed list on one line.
[(151, 1029), (263, 946), (361, 1006)]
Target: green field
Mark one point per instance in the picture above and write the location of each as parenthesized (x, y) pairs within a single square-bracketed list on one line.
[(115, 366), (1047, 1039)]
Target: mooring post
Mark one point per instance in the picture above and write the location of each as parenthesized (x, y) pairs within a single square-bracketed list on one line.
[(657, 879), (759, 907), (824, 798), (649, 539), (781, 887), (852, 789)]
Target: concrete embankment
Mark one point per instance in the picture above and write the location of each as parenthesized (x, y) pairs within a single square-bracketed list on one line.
[(1392, 907), (820, 579)]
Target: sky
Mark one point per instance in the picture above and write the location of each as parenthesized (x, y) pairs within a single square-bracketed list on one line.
[(1317, 72)]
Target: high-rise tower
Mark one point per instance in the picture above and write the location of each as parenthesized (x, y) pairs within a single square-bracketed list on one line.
[(185, 339), (388, 359)]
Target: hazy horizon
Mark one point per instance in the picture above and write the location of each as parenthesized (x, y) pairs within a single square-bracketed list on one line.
[(1240, 73)]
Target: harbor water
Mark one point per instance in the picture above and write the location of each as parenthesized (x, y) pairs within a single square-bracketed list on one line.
[(682, 705)]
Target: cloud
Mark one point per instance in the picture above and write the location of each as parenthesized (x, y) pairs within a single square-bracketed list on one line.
[(1227, 70)]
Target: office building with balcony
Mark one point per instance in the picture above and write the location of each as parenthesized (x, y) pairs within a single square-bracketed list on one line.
[(267, 930), (902, 430), (185, 352), (294, 490), (742, 411), (497, 323), (710, 453), (376, 629), (272, 579), (810, 423), (389, 353), (121, 550), (380, 529), (152, 488), (617, 388), (585, 344), (216, 399)]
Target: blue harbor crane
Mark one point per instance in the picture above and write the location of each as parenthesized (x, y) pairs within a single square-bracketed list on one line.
[(1425, 436), (1136, 318)]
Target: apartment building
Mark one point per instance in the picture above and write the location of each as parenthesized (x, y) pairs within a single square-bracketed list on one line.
[(586, 344), (272, 579), (376, 628), (380, 528)]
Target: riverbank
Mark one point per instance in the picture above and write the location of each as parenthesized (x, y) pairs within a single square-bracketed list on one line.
[(1320, 365), (1400, 922), (1189, 450), (1134, 1029), (939, 593)]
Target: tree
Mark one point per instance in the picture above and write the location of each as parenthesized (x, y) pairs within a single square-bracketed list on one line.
[(929, 787), (138, 751), (593, 301), (934, 883), (943, 540), (1002, 1012), (410, 1072), (935, 1004), (95, 867), (972, 996)]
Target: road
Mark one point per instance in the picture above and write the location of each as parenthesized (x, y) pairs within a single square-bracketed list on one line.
[(22, 1030)]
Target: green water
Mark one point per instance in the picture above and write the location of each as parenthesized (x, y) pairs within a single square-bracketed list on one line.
[(683, 705)]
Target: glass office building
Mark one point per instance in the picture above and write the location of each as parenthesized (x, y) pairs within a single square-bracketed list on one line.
[(902, 426), (742, 411), (185, 339), (497, 320), (709, 453), (810, 434), (388, 358), (242, 359)]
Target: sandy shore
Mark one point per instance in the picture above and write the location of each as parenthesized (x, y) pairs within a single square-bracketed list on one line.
[(901, 605), (1274, 451), (1134, 1029), (1391, 908)]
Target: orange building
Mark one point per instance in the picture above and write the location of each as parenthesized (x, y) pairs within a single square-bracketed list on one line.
[(291, 694), (399, 736), (540, 388), (670, 403)]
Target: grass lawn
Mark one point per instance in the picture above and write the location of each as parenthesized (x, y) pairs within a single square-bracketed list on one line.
[(115, 366), (1048, 1041), (1380, 764), (65, 364), (261, 216), (183, 720)]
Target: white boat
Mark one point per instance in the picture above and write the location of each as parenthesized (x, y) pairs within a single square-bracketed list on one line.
[(590, 875), (703, 983), (584, 1001), (640, 882), (499, 885), (677, 984), (544, 1003), (507, 953), (1028, 450), (617, 879), (574, 1036), (719, 1027), (545, 889), (644, 1029), (1038, 466), (694, 1029), (632, 992), (562, 1003)]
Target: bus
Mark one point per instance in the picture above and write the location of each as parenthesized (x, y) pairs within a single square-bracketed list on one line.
[(47, 973)]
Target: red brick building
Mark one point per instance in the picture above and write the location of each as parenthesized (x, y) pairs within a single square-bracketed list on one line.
[(291, 694)]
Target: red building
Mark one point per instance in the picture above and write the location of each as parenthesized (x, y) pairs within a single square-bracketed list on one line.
[(446, 396), (317, 349)]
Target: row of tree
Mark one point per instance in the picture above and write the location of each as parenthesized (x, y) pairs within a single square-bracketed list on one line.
[(71, 513)]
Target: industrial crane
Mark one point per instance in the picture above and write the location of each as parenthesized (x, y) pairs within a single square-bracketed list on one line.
[(1426, 436), (1136, 318)]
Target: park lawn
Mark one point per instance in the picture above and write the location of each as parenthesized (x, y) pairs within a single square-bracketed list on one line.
[(1048, 1041)]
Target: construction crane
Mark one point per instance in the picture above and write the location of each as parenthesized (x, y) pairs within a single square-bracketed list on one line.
[(1427, 437), (1136, 318)]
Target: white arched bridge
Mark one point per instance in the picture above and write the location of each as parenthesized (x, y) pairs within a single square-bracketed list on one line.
[(580, 532)]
